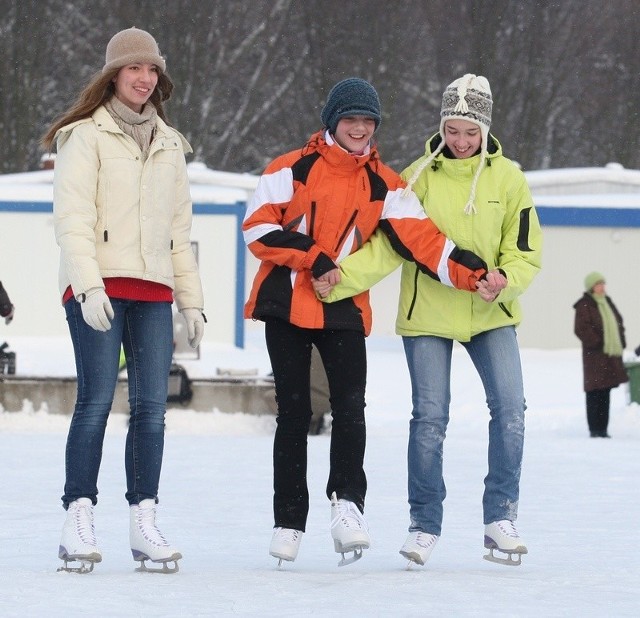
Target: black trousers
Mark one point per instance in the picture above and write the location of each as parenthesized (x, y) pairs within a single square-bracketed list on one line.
[(343, 355), (598, 402)]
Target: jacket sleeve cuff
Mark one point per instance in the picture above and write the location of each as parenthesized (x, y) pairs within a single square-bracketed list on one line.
[(322, 264)]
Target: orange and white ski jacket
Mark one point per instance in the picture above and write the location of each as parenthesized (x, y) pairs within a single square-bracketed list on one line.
[(313, 207)]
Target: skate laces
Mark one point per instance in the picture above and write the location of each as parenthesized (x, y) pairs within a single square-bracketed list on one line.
[(83, 520), (146, 523), (288, 535), (425, 540), (506, 527), (348, 514)]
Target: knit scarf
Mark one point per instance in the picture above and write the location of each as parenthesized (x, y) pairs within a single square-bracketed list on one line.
[(611, 333), (138, 126)]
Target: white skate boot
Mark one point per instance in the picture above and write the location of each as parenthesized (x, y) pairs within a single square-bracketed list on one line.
[(349, 530), (285, 544), (78, 542), (147, 542), (418, 547), (503, 536)]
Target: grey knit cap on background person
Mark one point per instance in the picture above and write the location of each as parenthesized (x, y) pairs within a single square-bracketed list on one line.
[(131, 46), (350, 97), (467, 98)]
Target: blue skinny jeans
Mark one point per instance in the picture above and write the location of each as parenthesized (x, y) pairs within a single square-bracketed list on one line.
[(145, 331)]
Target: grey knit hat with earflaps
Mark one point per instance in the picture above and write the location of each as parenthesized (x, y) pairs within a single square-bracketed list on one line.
[(131, 46)]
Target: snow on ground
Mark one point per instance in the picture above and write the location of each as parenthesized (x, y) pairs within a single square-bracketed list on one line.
[(578, 510)]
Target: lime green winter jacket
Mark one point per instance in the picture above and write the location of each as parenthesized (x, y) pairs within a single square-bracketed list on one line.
[(504, 231)]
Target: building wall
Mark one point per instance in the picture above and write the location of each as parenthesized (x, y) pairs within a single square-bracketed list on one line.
[(577, 240), (569, 253), (30, 257)]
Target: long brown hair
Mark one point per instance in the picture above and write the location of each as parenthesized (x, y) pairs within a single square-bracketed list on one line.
[(97, 92)]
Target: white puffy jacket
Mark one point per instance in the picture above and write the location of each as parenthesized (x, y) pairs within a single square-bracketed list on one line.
[(117, 216)]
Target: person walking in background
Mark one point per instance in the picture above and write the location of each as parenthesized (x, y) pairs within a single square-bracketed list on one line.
[(122, 219), (599, 326), (481, 200), (312, 207), (7, 309)]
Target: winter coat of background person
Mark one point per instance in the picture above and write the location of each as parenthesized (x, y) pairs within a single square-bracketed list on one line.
[(6, 308), (601, 370), (598, 324)]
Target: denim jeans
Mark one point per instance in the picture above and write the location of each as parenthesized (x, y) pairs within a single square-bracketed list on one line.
[(145, 331), (496, 357)]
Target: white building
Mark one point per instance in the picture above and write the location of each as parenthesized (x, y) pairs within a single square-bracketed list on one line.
[(591, 222), (590, 217), (30, 256)]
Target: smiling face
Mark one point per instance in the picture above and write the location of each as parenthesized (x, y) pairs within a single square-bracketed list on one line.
[(462, 137), (354, 132), (135, 83)]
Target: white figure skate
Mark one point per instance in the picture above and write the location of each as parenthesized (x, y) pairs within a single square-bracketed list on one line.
[(418, 547), (349, 530), (147, 542), (78, 542), (285, 544), (503, 537)]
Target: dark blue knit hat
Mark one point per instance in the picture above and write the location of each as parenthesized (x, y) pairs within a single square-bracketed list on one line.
[(350, 97)]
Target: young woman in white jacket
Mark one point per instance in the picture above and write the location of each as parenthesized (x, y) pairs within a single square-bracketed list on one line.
[(122, 218)]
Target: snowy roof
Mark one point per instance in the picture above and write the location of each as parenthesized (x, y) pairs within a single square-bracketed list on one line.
[(207, 186), (606, 196), (589, 200), (612, 178), (590, 196)]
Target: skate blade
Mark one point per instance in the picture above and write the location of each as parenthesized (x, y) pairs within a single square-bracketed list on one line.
[(164, 568), (509, 560), (413, 558), (282, 559), (143, 568), (86, 565), (357, 554)]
